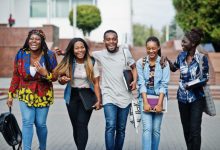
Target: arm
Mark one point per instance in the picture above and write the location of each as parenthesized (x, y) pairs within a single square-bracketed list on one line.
[(163, 88), (59, 51), (142, 85), (134, 73), (14, 82), (172, 66), (131, 62), (46, 75), (97, 91)]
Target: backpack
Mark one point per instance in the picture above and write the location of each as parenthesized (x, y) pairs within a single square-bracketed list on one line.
[(10, 129)]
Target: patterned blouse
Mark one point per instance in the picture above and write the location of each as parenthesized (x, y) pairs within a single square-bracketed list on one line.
[(35, 91), (189, 73)]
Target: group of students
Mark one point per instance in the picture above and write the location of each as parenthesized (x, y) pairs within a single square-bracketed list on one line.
[(35, 68)]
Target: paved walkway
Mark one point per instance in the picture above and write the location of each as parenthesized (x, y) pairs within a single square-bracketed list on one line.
[(60, 131)]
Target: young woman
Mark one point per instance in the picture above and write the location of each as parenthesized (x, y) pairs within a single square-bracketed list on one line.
[(152, 80), (79, 70), (191, 100), (32, 81)]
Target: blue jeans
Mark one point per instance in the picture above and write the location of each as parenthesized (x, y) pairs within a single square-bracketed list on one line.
[(116, 119), (151, 123), (30, 116)]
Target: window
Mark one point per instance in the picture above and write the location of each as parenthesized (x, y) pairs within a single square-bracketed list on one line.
[(38, 8), (60, 8), (83, 1)]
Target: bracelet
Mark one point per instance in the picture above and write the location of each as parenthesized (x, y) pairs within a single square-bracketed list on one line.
[(48, 76)]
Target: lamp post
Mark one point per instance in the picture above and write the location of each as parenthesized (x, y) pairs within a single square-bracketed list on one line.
[(74, 17)]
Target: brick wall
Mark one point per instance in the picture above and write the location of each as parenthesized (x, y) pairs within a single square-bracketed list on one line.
[(12, 39)]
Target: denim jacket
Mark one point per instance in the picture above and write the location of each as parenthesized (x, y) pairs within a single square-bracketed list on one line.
[(67, 91), (161, 77)]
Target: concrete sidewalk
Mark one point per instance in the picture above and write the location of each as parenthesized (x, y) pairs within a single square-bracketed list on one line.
[(60, 131)]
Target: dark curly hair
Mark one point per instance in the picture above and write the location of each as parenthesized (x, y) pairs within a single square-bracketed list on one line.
[(195, 35)]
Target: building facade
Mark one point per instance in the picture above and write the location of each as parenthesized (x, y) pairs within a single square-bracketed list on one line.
[(116, 15)]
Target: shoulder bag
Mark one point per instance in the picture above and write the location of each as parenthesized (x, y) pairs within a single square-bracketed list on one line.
[(209, 108), (10, 129)]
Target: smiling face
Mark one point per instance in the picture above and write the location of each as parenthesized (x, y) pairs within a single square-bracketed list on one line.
[(152, 49), (34, 42), (111, 42), (186, 44), (79, 50)]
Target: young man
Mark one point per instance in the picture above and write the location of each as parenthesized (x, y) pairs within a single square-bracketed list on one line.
[(115, 97)]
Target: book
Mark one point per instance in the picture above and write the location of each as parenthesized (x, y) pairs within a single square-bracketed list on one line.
[(128, 78), (195, 83), (153, 100)]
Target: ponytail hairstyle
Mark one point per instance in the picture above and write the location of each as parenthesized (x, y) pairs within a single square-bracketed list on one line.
[(195, 35), (44, 47), (156, 40), (66, 64)]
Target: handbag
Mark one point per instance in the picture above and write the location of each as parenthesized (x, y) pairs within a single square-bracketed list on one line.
[(10, 129), (209, 108), (209, 102), (88, 98), (127, 74), (135, 113)]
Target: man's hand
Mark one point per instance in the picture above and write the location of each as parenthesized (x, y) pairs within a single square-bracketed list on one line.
[(98, 105), (59, 51), (133, 85)]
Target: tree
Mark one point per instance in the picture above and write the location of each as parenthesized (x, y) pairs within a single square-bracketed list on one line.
[(141, 33), (88, 18), (204, 14)]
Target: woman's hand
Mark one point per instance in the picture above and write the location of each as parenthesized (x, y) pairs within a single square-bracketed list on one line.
[(147, 107), (9, 102), (40, 69), (98, 105), (158, 108), (63, 79), (163, 61)]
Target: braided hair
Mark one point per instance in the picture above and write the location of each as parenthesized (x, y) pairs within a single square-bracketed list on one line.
[(44, 47)]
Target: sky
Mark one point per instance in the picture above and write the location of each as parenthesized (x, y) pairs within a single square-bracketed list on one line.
[(157, 13)]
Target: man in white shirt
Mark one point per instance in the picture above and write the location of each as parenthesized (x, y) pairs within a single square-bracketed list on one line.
[(116, 98)]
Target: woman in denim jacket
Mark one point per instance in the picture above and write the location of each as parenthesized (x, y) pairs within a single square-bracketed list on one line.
[(152, 80), (79, 70)]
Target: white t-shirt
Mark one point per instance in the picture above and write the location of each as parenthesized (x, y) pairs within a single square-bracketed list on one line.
[(80, 78), (33, 71), (113, 88)]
